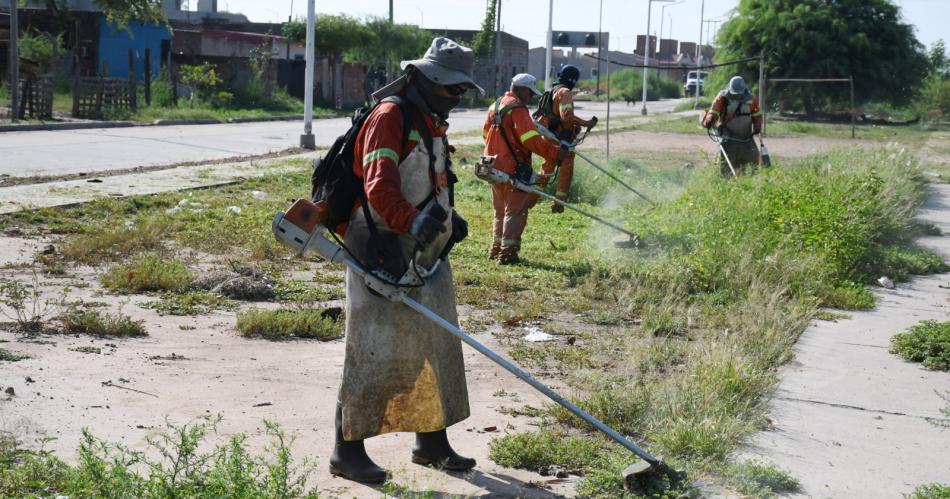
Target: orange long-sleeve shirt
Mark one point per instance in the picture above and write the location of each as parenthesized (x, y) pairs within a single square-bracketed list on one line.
[(521, 133), (377, 154), (718, 111)]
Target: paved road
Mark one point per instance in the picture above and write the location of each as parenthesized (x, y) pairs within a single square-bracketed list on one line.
[(41, 153)]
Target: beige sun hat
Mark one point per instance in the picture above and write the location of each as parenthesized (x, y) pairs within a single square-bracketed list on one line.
[(446, 63)]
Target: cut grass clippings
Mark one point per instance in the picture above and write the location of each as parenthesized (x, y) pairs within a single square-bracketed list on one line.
[(96, 323), (150, 272), (288, 324), (927, 342)]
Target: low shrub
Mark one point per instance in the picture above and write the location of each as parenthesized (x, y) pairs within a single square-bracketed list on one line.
[(928, 342), (97, 323), (146, 273), (179, 462), (542, 449), (286, 324), (8, 356)]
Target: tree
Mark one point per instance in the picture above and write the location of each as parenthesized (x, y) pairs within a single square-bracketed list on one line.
[(483, 41), (122, 12), (825, 39), (334, 36), (939, 60)]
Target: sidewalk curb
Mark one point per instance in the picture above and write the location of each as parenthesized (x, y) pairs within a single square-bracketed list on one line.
[(85, 125)]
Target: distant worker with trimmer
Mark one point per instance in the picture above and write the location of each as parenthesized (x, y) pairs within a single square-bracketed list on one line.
[(510, 135), (737, 116), (556, 113), (401, 374)]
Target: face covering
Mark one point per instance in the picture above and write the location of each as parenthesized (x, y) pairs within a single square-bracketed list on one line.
[(421, 89)]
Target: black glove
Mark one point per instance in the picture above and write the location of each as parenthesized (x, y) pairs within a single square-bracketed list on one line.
[(523, 172), (593, 122), (425, 228), (459, 227), (563, 151)]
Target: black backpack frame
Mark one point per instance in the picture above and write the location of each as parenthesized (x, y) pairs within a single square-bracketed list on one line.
[(333, 179)]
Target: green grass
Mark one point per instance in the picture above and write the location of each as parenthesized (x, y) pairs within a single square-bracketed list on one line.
[(180, 461), (930, 491), (287, 324), (149, 272), (97, 323), (910, 135), (534, 451), (8, 356), (927, 342), (189, 303), (761, 480)]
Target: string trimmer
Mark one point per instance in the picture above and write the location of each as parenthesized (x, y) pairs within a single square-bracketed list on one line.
[(573, 147), (486, 171), (300, 228), (718, 139)]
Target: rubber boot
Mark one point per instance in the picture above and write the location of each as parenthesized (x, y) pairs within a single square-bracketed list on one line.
[(494, 251), (349, 459), (433, 449), (509, 255)]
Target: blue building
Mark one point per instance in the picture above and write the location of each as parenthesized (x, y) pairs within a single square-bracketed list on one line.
[(114, 45)]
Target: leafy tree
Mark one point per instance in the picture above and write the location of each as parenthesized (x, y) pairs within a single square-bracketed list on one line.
[(825, 39), (482, 43), (122, 12), (939, 59), (334, 36)]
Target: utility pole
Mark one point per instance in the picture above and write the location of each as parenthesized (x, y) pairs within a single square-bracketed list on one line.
[(646, 55), (498, 72), (14, 64), (307, 140), (391, 12), (600, 44), (699, 48), (549, 46)]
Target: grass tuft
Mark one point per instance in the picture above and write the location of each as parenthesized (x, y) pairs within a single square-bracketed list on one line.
[(147, 273), (927, 342), (761, 480), (545, 448), (98, 323), (286, 324), (931, 491), (189, 303), (8, 356)]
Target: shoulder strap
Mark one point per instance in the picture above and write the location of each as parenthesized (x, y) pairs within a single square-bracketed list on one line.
[(497, 122)]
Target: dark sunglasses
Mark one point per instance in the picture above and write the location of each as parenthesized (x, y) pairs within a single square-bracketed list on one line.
[(456, 90)]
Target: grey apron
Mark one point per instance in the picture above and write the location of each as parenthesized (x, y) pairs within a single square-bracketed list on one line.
[(403, 373)]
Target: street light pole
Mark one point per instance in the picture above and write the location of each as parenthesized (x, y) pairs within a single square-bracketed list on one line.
[(600, 44), (662, 22), (646, 54), (307, 140), (699, 48), (14, 64), (549, 47)]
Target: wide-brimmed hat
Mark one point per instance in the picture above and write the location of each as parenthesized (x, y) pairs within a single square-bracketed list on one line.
[(737, 86), (527, 81), (446, 63)]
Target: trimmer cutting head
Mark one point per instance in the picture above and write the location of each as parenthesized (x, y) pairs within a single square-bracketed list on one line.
[(642, 475), (632, 242)]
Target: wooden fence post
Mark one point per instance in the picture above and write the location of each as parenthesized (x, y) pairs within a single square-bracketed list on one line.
[(77, 86), (133, 92), (148, 77)]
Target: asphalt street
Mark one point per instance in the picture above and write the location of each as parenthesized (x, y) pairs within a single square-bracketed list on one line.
[(62, 152)]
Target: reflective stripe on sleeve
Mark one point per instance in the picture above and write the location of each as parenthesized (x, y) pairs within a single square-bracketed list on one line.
[(382, 152), (528, 135), (713, 111), (754, 115), (415, 136), (566, 105)]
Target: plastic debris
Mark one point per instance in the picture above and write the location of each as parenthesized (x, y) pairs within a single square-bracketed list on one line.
[(234, 209), (536, 335), (259, 195), (885, 282)]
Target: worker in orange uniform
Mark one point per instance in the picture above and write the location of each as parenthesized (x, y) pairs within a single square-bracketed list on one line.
[(511, 136), (736, 111), (401, 374), (556, 113)]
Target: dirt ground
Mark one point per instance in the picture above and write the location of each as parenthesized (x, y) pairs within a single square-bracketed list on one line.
[(183, 374)]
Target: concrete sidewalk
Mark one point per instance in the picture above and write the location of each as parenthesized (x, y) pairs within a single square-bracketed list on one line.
[(71, 192), (851, 419)]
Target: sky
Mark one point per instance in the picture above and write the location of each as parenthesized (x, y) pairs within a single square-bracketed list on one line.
[(623, 19)]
